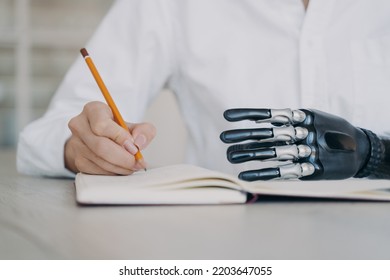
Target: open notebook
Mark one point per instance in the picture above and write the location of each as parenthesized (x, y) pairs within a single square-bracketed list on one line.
[(188, 184)]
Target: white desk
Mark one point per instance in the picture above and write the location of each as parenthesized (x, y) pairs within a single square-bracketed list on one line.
[(39, 219)]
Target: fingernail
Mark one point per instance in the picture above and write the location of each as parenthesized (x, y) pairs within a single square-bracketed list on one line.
[(130, 147), (140, 141)]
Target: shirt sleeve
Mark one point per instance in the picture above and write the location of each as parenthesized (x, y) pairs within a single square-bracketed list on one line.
[(132, 48)]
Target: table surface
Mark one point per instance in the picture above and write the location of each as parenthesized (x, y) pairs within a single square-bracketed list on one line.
[(40, 219)]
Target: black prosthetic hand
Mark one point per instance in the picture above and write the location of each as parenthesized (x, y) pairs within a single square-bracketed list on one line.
[(308, 144)]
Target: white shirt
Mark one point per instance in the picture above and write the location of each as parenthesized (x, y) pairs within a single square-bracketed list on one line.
[(223, 54)]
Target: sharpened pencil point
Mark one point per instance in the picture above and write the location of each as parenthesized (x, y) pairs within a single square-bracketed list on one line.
[(142, 164), (84, 52)]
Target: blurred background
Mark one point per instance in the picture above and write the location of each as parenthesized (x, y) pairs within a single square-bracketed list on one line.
[(39, 40)]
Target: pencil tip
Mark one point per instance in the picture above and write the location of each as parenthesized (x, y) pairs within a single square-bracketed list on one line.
[(84, 52)]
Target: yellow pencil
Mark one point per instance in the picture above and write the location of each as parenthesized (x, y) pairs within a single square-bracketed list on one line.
[(107, 96)]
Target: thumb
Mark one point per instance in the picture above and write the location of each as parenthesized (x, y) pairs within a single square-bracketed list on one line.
[(143, 134)]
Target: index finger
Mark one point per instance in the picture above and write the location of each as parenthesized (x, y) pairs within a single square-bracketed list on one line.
[(274, 116), (240, 114), (287, 133), (102, 124)]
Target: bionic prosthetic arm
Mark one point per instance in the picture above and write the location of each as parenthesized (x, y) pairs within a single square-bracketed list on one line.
[(308, 144)]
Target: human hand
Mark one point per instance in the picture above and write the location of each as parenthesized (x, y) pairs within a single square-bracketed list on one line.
[(317, 145), (98, 145)]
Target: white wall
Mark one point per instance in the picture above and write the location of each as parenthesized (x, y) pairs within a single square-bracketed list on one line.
[(57, 29), (39, 39), (169, 145)]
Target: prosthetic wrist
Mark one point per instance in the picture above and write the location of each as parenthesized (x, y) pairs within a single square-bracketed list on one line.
[(306, 144), (378, 161)]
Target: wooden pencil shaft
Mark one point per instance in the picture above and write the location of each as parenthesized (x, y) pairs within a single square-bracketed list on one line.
[(107, 96), (105, 92)]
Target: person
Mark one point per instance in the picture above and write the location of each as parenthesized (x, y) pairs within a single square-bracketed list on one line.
[(333, 56)]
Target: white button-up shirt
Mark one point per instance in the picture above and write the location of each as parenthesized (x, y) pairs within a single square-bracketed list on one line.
[(222, 54)]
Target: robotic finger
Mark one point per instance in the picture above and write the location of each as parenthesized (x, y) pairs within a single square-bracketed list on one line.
[(275, 116), (321, 146), (288, 171), (246, 152), (285, 134)]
